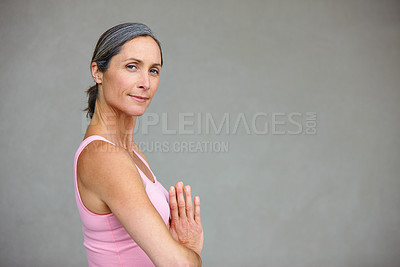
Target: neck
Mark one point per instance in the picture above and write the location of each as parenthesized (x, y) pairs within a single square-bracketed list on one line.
[(115, 126)]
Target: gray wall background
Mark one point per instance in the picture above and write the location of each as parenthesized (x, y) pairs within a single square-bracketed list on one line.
[(325, 199)]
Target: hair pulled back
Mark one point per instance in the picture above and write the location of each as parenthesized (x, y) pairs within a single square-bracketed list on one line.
[(109, 45)]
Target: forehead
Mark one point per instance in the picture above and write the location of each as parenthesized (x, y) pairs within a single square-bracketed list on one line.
[(143, 48)]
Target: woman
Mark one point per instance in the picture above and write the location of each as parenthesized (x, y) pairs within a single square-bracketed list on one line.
[(128, 217)]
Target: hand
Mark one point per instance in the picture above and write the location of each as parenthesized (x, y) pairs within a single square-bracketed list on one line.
[(184, 227)]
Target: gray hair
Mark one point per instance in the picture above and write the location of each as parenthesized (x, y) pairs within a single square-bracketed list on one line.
[(109, 45)]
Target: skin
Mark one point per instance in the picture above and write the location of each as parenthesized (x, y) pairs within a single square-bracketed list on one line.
[(108, 180)]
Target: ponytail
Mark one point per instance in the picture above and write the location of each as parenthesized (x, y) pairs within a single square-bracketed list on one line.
[(92, 96)]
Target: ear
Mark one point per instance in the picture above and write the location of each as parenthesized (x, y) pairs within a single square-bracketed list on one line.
[(96, 73)]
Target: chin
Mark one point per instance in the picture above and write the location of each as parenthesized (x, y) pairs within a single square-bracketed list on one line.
[(139, 111)]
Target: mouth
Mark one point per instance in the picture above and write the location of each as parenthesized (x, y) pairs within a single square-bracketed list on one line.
[(140, 99)]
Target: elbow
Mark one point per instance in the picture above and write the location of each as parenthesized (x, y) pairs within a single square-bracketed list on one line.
[(188, 264), (192, 260)]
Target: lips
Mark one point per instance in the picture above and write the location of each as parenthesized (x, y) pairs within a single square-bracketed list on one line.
[(138, 98)]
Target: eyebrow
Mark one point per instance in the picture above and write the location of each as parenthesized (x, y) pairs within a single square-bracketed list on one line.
[(140, 61)]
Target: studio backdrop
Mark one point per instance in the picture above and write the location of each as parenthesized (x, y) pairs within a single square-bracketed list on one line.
[(282, 115)]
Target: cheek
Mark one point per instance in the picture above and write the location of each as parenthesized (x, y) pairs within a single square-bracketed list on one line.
[(154, 85), (118, 84), (123, 83)]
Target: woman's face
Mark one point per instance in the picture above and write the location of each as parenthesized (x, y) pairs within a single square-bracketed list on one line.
[(131, 80)]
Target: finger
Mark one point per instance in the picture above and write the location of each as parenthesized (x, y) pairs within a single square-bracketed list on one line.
[(173, 204), (197, 216), (181, 200), (189, 206)]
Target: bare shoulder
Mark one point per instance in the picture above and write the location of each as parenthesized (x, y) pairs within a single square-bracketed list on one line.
[(101, 163), (97, 152)]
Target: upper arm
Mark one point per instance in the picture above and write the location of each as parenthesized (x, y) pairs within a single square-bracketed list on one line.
[(113, 177)]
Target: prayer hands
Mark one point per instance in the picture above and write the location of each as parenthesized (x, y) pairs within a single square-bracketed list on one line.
[(185, 227)]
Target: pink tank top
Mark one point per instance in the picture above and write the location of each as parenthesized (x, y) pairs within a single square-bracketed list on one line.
[(106, 241)]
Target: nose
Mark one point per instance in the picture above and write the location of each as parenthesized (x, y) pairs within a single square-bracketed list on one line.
[(144, 82)]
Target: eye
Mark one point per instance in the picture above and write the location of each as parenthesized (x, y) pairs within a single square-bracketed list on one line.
[(155, 71), (131, 66)]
